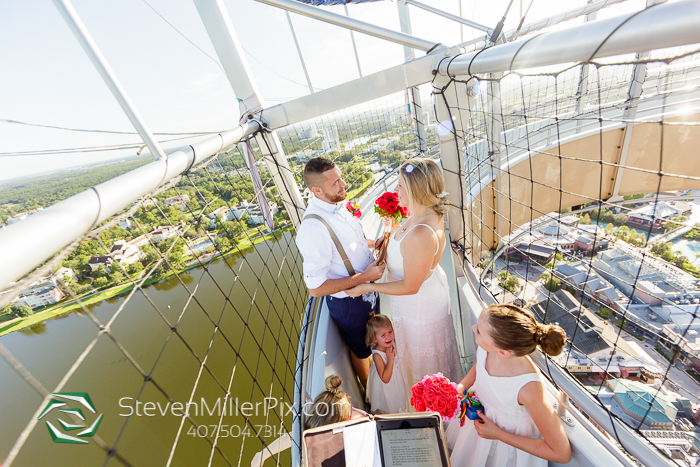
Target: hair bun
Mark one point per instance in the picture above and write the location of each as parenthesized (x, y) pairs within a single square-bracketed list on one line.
[(551, 338), (333, 383)]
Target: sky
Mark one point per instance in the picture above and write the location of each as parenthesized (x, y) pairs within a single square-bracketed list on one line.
[(163, 58)]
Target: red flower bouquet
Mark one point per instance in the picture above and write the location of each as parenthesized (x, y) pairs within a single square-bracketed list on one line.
[(387, 205), (353, 209), (436, 394)]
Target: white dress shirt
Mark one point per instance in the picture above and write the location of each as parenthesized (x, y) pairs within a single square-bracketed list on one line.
[(321, 258)]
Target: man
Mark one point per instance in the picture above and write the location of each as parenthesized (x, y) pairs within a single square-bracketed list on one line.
[(325, 273)]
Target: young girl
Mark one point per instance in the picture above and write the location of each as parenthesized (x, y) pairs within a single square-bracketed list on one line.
[(387, 389), (519, 427)]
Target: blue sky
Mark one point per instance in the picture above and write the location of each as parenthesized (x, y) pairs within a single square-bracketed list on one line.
[(48, 80)]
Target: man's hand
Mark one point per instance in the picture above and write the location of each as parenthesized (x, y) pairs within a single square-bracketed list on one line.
[(373, 272)]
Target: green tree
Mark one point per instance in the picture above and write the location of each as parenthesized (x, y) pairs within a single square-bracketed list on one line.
[(619, 219), (551, 283), (100, 282), (604, 313), (508, 281), (586, 219), (609, 229), (22, 311)]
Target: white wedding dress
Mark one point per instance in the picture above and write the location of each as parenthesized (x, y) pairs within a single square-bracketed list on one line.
[(425, 334)]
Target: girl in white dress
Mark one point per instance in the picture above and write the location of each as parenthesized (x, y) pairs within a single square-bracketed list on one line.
[(518, 426), (420, 302), (387, 389)]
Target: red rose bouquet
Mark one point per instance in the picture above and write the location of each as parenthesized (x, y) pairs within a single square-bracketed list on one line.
[(436, 394), (353, 209), (387, 205)]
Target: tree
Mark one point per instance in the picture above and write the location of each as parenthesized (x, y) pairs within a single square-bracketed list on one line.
[(22, 311), (117, 277), (659, 248), (609, 229), (619, 219), (508, 281), (135, 268), (604, 313), (551, 283), (586, 219), (100, 282)]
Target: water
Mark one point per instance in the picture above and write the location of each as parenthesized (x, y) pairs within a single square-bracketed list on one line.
[(201, 246), (264, 368)]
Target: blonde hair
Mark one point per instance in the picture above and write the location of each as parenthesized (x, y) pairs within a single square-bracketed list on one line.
[(331, 406), (425, 184), (374, 324), (516, 329)]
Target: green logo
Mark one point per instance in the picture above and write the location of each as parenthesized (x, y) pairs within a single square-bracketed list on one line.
[(57, 435)]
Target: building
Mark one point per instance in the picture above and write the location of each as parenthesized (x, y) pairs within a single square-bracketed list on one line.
[(331, 141), (532, 251), (21, 216), (308, 133), (655, 215), (42, 295), (164, 232), (590, 244), (64, 274), (624, 265), (178, 201), (642, 403), (125, 224), (97, 261)]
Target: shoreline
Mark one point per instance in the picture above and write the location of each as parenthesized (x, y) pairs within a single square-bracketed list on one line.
[(17, 324)]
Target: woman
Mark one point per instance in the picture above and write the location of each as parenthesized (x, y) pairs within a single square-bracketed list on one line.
[(420, 302)]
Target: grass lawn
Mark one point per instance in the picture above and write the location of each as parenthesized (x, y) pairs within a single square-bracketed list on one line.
[(357, 191)]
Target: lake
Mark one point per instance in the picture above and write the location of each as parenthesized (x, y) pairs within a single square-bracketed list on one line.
[(253, 350)]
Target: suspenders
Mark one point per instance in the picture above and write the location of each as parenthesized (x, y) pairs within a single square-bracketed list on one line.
[(334, 237)]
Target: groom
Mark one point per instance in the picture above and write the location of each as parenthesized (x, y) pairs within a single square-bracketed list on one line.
[(325, 272)]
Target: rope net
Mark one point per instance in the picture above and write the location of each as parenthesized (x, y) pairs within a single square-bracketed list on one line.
[(591, 227), (181, 317)]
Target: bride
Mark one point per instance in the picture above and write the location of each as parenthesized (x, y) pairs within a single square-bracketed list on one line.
[(420, 302)]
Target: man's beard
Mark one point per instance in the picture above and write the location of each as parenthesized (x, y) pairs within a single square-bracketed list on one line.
[(338, 197)]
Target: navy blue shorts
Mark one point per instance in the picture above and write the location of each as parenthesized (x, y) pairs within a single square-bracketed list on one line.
[(351, 315)]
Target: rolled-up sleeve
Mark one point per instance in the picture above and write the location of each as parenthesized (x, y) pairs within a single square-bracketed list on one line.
[(315, 245)]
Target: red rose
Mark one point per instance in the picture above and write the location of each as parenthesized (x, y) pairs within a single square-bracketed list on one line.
[(417, 390), (440, 405), (381, 202), (395, 196), (404, 211), (418, 404), (392, 207), (430, 393)]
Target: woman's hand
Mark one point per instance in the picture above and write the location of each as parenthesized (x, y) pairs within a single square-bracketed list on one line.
[(485, 428), (358, 290), (389, 223)]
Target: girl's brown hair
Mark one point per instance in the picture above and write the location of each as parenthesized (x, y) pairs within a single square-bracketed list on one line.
[(425, 184), (331, 406), (374, 324), (516, 329)]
